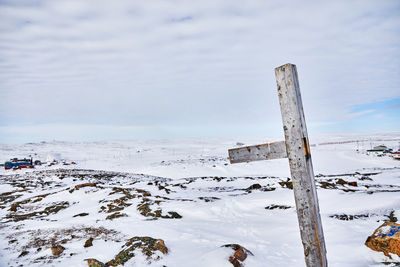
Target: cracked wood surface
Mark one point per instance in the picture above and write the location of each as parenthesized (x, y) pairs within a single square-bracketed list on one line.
[(298, 153), (267, 151)]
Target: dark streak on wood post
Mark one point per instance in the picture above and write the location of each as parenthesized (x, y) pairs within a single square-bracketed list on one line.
[(298, 152)]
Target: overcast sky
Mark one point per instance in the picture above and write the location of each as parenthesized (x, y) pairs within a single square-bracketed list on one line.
[(102, 70)]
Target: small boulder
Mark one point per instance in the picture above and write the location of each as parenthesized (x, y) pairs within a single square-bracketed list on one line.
[(239, 255), (341, 181), (14, 207), (81, 214), (386, 239), (57, 250), (160, 245), (172, 215), (254, 186), (352, 183), (88, 243), (288, 184), (23, 253)]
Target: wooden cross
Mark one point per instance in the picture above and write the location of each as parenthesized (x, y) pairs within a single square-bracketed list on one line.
[(296, 148)]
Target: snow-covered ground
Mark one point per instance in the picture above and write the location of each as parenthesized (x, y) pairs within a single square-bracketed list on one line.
[(203, 202)]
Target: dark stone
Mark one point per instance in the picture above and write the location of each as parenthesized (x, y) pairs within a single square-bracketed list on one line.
[(254, 186), (239, 255), (81, 214), (281, 207), (23, 253), (88, 243), (346, 217), (352, 183)]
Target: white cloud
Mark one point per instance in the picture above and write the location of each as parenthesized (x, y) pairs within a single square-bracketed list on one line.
[(192, 63)]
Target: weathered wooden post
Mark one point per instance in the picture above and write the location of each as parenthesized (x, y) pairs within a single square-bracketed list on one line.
[(296, 148)]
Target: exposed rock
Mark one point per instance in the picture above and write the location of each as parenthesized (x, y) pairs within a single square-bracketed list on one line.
[(94, 263), (267, 189), (160, 245), (341, 181), (88, 243), (287, 184), (57, 250), (8, 197), (82, 185), (348, 217), (14, 207), (391, 217), (81, 214), (38, 240), (254, 186), (113, 208), (172, 215), (115, 215), (352, 183), (327, 185), (209, 199), (145, 209), (147, 245), (281, 207), (37, 200), (56, 208), (23, 253), (47, 211), (239, 255), (143, 192), (386, 239)]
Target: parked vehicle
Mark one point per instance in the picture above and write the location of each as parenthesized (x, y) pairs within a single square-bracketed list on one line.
[(396, 155), (17, 164)]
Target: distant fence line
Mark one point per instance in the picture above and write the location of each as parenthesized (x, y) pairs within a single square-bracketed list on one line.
[(355, 141)]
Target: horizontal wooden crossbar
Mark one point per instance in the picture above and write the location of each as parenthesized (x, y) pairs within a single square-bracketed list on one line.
[(276, 150)]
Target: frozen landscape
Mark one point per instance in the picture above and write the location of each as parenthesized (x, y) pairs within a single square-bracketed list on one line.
[(116, 119), (186, 193)]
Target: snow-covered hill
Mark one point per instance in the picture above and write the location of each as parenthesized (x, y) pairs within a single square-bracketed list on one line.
[(187, 194)]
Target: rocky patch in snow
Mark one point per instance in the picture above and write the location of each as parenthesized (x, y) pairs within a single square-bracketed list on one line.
[(57, 216), (148, 246)]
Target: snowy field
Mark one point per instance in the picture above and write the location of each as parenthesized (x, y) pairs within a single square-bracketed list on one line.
[(186, 193)]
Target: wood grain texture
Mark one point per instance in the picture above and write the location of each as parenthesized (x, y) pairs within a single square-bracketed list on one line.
[(298, 153), (267, 151)]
